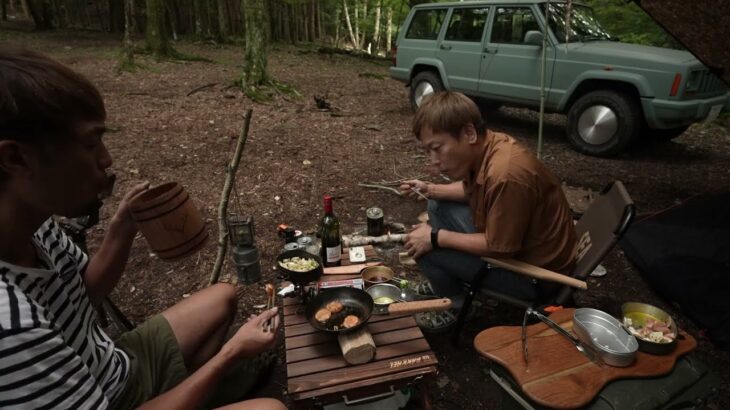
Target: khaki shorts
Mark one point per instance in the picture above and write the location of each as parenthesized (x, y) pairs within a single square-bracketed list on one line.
[(156, 364)]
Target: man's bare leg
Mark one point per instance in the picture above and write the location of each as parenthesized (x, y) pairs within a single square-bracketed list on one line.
[(200, 322), (255, 404)]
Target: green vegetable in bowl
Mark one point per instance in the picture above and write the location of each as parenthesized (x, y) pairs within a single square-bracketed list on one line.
[(298, 264)]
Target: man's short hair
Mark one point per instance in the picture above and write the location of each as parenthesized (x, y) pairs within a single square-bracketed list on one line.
[(447, 112), (41, 99)]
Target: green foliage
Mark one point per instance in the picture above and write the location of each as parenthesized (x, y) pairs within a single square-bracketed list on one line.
[(630, 23)]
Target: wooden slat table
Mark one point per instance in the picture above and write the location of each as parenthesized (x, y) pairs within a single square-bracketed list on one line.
[(317, 374)]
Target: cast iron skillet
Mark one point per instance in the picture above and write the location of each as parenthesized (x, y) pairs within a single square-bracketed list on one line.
[(300, 278), (354, 301)]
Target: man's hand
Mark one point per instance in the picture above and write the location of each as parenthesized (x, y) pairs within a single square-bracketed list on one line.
[(418, 242), (413, 187), (123, 217), (250, 339)]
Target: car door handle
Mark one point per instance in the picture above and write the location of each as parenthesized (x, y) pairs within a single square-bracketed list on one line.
[(445, 47), (492, 50)]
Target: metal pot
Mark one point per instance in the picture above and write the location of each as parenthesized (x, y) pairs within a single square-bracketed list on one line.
[(616, 346), (373, 275), (635, 310)]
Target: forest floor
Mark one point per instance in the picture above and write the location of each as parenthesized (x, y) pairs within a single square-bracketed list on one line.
[(295, 153)]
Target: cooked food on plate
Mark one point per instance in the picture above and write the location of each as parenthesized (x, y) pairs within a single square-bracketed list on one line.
[(298, 264), (650, 329), (323, 315), (350, 321), (334, 306)]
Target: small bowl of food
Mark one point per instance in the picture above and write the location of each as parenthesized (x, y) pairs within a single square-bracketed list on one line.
[(373, 275), (655, 330), (299, 266)]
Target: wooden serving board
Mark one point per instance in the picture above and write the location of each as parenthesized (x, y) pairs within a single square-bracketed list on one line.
[(557, 375)]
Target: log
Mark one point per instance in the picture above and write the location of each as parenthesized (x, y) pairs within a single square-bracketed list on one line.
[(357, 347), (348, 242)]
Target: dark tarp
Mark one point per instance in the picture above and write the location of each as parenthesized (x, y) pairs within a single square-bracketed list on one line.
[(684, 253)]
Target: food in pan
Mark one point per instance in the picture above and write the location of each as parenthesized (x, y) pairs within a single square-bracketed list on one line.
[(649, 328), (350, 321), (383, 300), (334, 306), (323, 315), (298, 264)]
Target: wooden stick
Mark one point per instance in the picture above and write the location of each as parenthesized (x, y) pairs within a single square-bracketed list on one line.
[(349, 242), (223, 206), (376, 186), (536, 272)]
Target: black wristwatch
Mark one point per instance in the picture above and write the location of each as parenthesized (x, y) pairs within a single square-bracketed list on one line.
[(435, 238)]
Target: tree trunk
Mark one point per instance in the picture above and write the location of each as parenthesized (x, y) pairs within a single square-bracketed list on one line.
[(363, 35), (304, 18), (337, 24), (170, 13), (100, 16), (254, 64), (313, 21), (286, 23), (353, 35), (24, 6), (116, 16), (376, 31), (356, 46), (389, 32), (320, 29), (5, 10), (201, 17), (11, 6), (222, 20), (128, 32), (156, 36)]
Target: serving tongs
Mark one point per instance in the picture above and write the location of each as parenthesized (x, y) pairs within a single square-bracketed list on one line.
[(586, 350)]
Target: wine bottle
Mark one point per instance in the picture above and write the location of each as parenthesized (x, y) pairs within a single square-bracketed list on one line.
[(331, 250)]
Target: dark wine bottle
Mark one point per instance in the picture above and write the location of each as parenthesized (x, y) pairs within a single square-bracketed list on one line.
[(331, 250)]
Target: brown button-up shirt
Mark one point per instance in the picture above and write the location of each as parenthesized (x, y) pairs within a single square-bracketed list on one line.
[(520, 206)]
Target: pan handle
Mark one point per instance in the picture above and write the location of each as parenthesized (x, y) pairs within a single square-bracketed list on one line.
[(349, 402), (434, 305)]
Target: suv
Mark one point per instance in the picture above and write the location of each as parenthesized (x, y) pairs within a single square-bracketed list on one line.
[(612, 92)]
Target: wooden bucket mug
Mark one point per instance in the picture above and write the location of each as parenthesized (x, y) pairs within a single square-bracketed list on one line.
[(169, 220)]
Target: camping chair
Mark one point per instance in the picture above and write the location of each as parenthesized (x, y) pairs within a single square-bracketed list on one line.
[(601, 226)]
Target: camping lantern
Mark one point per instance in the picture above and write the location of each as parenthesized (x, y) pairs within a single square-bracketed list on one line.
[(241, 231)]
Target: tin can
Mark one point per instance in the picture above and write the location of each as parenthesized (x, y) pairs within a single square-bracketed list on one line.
[(304, 241), (291, 246), (375, 221)]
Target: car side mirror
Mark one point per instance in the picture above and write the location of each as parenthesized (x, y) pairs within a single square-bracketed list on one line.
[(534, 37)]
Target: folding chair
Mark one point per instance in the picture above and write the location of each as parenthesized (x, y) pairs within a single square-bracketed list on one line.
[(598, 230)]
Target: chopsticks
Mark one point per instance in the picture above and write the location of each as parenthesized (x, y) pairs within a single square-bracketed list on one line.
[(269, 304), (418, 191)]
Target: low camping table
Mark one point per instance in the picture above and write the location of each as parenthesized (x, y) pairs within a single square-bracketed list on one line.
[(318, 375)]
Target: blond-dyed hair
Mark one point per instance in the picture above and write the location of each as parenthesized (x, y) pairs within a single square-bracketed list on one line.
[(447, 112)]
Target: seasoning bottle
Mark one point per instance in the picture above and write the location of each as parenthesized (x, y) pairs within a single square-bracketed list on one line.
[(331, 250)]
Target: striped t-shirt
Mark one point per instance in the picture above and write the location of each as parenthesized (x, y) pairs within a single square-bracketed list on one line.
[(52, 352)]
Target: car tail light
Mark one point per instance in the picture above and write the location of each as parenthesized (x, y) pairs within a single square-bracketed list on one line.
[(393, 54), (675, 85)]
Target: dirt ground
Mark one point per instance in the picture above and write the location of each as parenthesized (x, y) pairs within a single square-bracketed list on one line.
[(296, 153)]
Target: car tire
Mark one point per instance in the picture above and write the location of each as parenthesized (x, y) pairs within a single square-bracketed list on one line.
[(422, 85), (666, 134), (603, 123)]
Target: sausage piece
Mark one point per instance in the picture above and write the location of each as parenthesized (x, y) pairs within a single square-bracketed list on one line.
[(350, 321), (334, 306), (323, 315)]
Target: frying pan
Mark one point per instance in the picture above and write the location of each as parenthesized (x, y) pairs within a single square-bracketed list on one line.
[(359, 303)]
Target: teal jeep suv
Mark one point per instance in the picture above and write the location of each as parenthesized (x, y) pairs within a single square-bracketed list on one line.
[(612, 92)]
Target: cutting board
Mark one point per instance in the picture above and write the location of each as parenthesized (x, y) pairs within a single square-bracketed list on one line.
[(557, 374)]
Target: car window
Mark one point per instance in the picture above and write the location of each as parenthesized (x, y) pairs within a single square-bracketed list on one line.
[(426, 24), (512, 23), (467, 24)]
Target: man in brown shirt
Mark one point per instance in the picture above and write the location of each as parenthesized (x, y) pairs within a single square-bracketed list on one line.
[(506, 204)]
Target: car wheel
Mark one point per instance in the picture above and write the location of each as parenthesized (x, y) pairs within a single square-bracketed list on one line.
[(603, 123), (424, 84), (666, 134)]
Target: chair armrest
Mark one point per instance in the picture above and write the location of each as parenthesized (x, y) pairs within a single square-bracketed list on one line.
[(536, 272)]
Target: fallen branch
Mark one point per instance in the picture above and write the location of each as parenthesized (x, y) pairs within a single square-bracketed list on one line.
[(349, 241), (201, 88), (223, 207), (376, 186)]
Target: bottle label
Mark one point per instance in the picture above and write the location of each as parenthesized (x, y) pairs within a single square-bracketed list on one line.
[(334, 254)]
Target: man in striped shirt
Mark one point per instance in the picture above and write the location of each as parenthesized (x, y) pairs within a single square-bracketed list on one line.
[(52, 352)]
